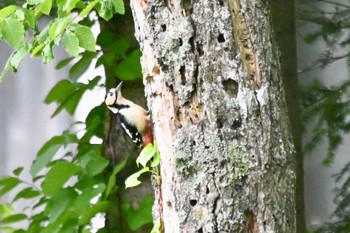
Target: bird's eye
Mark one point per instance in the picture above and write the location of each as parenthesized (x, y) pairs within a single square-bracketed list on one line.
[(110, 93)]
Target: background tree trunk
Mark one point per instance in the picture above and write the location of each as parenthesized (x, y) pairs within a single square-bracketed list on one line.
[(214, 87), (283, 15), (118, 145)]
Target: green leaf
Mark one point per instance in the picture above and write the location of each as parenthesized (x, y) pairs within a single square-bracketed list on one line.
[(81, 66), (18, 171), (6, 12), (8, 183), (89, 213), (58, 26), (105, 9), (88, 8), (14, 60), (5, 210), (70, 97), (111, 185), (29, 18), (132, 180), (95, 123), (59, 204), (49, 149), (36, 221), (59, 174), (156, 157), (119, 6), (43, 7), (102, 230), (12, 31), (19, 14), (18, 56), (34, 2), (146, 155), (85, 36), (136, 218), (37, 49), (47, 53), (7, 229), (27, 193), (63, 63), (156, 227), (93, 163), (60, 4), (130, 67), (70, 226), (105, 38), (35, 179), (6, 68), (71, 103), (42, 37), (19, 231), (83, 201), (61, 91), (70, 43), (69, 5), (121, 46), (14, 218)]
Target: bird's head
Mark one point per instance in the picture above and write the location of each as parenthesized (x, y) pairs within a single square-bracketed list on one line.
[(112, 95)]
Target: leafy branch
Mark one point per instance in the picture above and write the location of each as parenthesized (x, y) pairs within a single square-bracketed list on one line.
[(149, 159), (326, 109), (72, 181), (17, 21), (332, 27)]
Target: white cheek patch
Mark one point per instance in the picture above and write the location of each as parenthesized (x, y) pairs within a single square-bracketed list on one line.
[(109, 100)]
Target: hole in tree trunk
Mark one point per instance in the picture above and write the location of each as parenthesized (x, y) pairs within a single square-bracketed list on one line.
[(183, 75), (219, 123), (163, 27), (221, 38), (237, 123), (180, 42), (193, 202), (230, 87), (191, 42)]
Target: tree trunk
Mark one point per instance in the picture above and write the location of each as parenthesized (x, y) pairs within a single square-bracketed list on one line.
[(213, 83), (118, 145), (283, 15)]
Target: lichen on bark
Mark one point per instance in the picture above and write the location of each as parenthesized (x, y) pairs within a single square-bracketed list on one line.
[(221, 125)]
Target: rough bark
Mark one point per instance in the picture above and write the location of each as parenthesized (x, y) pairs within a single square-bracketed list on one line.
[(212, 76)]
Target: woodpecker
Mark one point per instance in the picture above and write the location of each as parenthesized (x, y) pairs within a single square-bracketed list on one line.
[(134, 119)]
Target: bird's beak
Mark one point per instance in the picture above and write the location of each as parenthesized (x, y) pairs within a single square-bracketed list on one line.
[(119, 87)]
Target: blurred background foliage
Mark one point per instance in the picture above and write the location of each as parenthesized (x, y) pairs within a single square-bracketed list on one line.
[(326, 109)]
